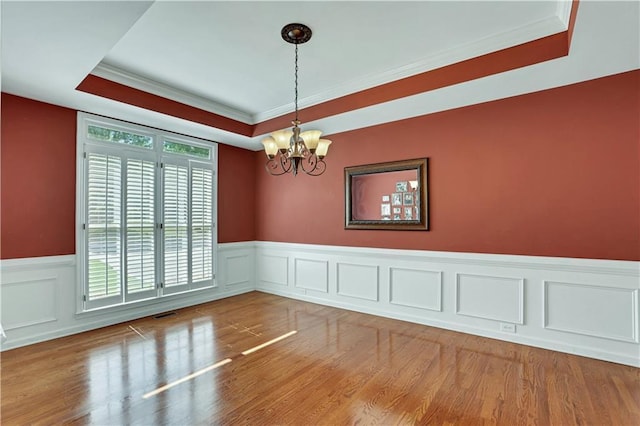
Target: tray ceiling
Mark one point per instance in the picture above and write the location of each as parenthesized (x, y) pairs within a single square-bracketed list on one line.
[(227, 58)]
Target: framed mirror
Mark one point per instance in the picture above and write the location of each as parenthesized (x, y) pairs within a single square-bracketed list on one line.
[(387, 196)]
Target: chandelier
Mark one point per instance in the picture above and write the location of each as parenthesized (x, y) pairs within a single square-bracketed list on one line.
[(289, 151)]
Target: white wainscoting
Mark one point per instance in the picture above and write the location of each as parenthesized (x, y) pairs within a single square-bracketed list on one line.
[(38, 295), (617, 320), (358, 281), (582, 306), (236, 267), (275, 269), (312, 274), (416, 288), (587, 307), (490, 297)]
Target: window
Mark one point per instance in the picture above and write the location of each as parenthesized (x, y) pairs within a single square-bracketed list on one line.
[(146, 212)]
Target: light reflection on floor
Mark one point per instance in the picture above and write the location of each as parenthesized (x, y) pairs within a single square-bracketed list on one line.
[(301, 361), (178, 356), (186, 378), (143, 360)]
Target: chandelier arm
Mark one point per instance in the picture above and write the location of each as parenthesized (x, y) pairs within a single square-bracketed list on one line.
[(319, 169), (285, 163), (316, 166), (311, 161), (274, 168), (278, 166)]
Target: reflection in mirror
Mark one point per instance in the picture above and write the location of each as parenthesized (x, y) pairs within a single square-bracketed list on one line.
[(387, 196), (381, 196)]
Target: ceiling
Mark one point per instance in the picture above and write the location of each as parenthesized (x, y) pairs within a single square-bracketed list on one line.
[(228, 59)]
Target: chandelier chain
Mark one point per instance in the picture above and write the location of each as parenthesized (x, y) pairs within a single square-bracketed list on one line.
[(296, 89)]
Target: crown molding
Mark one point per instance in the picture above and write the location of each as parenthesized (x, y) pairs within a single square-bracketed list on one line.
[(563, 12), (127, 78), (493, 43)]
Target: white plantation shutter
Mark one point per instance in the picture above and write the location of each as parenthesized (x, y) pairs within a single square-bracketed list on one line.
[(202, 224), (140, 228), (147, 231), (176, 225), (104, 176)]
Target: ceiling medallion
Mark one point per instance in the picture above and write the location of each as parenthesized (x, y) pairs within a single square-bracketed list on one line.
[(296, 33)]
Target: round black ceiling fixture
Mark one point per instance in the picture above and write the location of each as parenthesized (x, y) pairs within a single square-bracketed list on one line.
[(296, 33)]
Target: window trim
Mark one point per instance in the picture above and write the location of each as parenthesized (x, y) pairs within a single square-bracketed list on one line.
[(159, 136)]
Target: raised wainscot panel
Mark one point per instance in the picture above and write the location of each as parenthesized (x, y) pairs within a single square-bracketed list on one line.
[(312, 274), (238, 269), (490, 297), (274, 269), (28, 303), (592, 310), (359, 281), (416, 288)]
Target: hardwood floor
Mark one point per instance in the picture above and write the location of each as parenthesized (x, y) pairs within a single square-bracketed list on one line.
[(339, 367)]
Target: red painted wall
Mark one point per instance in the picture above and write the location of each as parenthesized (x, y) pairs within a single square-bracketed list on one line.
[(236, 194), (37, 198), (553, 173), (38, 179)]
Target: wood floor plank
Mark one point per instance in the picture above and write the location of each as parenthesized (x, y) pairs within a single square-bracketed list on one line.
[(339, 367)]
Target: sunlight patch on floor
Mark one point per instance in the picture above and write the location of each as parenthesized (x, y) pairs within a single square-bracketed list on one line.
[(270, 342), (186, 378)]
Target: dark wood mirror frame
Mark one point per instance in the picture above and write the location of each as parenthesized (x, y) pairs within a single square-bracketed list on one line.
[(421, 205)]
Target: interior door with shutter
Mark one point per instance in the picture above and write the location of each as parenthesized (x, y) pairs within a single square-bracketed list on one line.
[(140, 228), (202, 225), (103, 229), (175, 232)]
